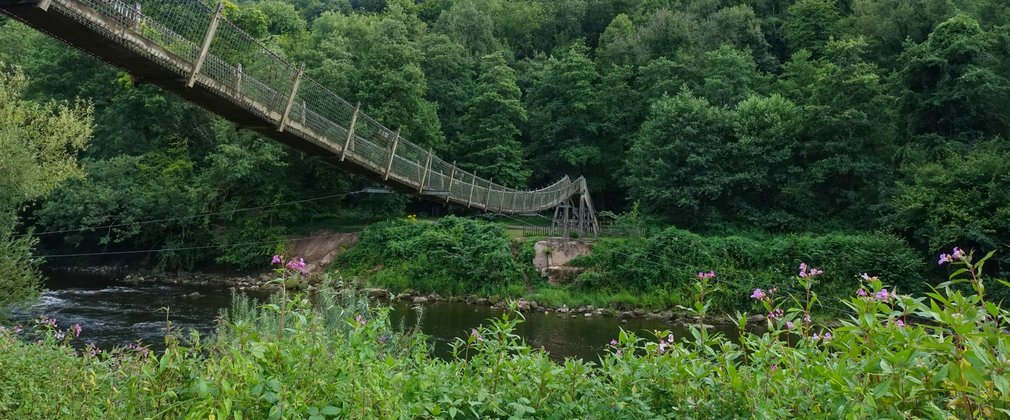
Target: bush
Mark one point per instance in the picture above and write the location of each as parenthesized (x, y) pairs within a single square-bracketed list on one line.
[(669, 261), (452, 255), (341, 359)]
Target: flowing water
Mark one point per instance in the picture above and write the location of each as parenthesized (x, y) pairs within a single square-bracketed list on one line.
[(114, 314)]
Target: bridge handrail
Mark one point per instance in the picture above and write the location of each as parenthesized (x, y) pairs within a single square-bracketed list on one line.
[(242, 70)]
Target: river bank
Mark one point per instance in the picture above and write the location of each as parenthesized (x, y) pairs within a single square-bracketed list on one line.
[(260, 283)]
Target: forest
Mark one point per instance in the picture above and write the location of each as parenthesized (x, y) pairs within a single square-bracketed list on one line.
[(716, 116)]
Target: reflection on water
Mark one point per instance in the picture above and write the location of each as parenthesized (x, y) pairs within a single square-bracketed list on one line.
[(113, 315)]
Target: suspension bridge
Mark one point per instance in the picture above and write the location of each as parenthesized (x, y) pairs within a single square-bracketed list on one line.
[(190, 49)]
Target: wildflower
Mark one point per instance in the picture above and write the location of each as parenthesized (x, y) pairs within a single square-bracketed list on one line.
[(958, 254), (613, 342), (803, 269), (883, 295), (776, 313), (827, 336), (475, 334), (618, 352), (360, 320), (773, 367), (806, 318), (278, 259), (296, 264), (383, 339), (815, 272), (944, 259), (708, 275), (59, 335), (861, 293), (868, 277), (669, 338), (899, 323), (789, 325), (816, 337), (758, 294), (76, 328)]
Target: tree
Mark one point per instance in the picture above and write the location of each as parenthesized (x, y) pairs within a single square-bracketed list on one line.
[(955, 86), (766, 163), (727, 76), (449, 72), (564, 109), (392, 86), (619, 43), (888, 25), (676, 167), (810, 24), (489, 142), (39, 143)]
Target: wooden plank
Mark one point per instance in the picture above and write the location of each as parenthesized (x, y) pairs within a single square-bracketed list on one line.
[(427, 168), (291, 98), (473, 184), (452, 175), (392, 154), (205, 48), (350, 132)]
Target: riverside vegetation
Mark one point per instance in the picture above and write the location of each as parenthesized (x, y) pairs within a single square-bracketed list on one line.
[(941, 355), (459, 256)]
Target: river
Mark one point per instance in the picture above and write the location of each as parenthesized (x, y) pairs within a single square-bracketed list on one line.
[(114, 314)]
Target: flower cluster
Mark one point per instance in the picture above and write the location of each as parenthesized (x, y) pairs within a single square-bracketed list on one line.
[(826, 337), (476, 335), (776, 313), (360, 320), (143, 351), (956, 255), (294, 264), (76, 328), (807, 271), (703, 275)]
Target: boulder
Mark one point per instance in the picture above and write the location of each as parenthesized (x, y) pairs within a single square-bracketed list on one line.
[(420, 299), (376, 293)]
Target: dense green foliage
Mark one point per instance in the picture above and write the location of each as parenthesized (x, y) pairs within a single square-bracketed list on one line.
[(39, 142), (452, 255), (665, 264), (715, 115), (341, 359)]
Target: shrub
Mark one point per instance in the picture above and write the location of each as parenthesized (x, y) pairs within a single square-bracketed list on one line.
[(669, 260), (451, 255), (341, 359)]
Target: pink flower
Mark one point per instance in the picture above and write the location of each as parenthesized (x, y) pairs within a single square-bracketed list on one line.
[(816, 337), (883, 295), (958, 254), (59, 335), (277, 260), (76, 328), (815, 272), (773, 367), (708, 275), (944, 259), (296, 264), (827, 336), (789, 325), (803, 269), (758, 294), (899, 323), (618, 352), (613, 342), (776, 313), (861, 293), (360, 319), (475, 334)]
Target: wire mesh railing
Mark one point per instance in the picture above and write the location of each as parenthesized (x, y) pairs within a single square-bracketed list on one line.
[(242, 70)]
